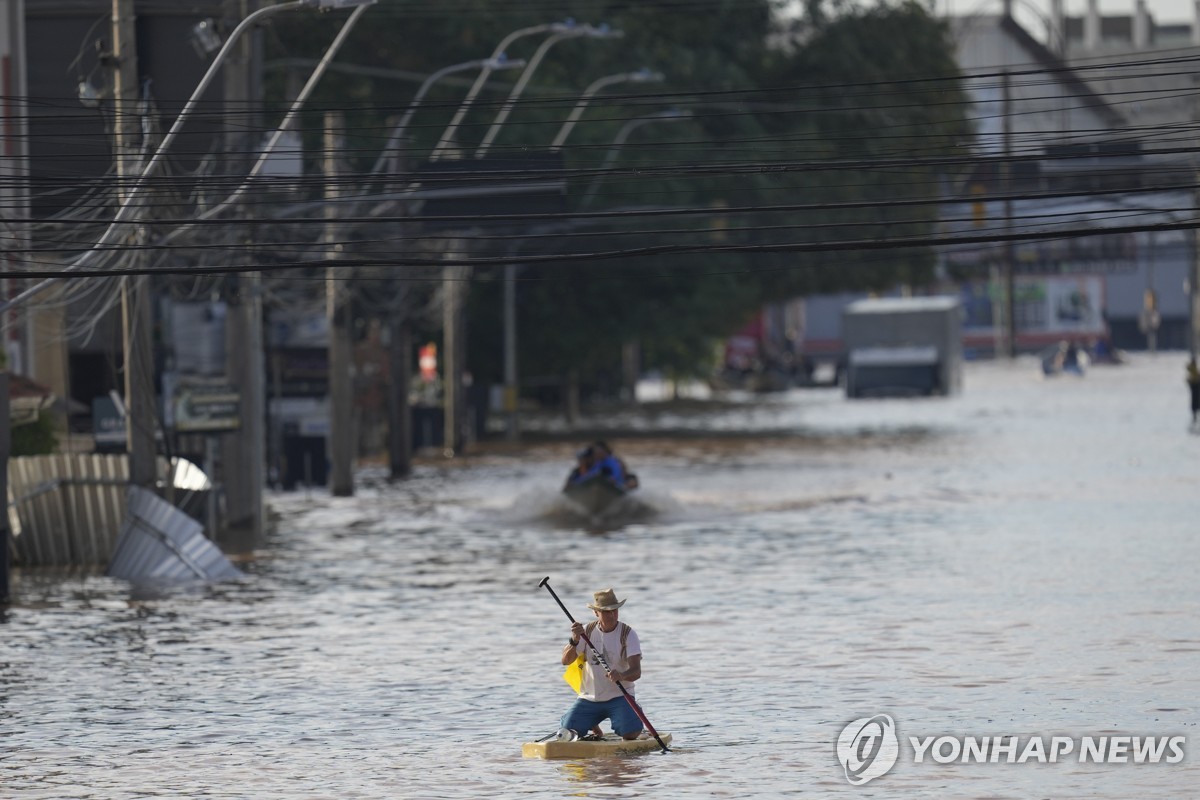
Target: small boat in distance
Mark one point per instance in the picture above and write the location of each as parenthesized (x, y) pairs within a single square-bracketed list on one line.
[(589, 748), (595, 494)]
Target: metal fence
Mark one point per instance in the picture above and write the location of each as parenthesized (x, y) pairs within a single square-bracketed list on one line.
[(66, 509)]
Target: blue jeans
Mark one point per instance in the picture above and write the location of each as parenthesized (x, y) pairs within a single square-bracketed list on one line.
[(586, 714)]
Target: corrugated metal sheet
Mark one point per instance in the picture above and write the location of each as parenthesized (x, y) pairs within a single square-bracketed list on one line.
[(66, 509), (159, 543)]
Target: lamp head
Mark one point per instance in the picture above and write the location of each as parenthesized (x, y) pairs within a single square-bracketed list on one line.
[(330, 5), (205, 37), (603, 31), (645, 75), (503, 62), (88, 95)]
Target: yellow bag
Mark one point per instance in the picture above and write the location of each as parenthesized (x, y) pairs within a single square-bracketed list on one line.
[(574, 673)]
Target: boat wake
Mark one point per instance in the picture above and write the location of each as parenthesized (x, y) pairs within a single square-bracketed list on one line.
[(554, 509)]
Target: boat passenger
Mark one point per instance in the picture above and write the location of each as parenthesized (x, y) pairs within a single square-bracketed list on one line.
[(599, 696), (583, 466), (1070, 359), (611, 467)]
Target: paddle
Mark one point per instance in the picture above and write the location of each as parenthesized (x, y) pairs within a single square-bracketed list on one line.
[(599, 657)]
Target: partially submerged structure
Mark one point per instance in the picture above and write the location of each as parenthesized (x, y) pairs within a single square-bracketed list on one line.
[(161, 544), (901, 346)]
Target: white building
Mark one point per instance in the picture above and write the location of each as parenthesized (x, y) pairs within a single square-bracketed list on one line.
[(1084, 156)]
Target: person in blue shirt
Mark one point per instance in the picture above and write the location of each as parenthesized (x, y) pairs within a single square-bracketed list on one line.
[(611, 467), (584, 461)]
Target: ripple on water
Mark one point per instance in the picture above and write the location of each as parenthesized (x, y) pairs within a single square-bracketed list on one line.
[(1015, 560)]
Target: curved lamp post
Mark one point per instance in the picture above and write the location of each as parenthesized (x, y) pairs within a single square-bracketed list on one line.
[(641, 76), (590, 31), (491, 64), (127, 206), (448, 135), (670, 115)]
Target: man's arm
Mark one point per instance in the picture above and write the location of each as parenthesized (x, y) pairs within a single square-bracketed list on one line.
[(570, 651), (629, 675)]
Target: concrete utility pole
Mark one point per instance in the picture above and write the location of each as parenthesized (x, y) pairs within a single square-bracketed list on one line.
[(511, 382), (341, 399), (1194, 295), (140, 421), (244, 451), (399, 412), (14, 195), (5, 450), (455, 351), (1010, 247), (1193, 286)]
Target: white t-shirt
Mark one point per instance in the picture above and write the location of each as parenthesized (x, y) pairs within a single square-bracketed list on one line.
[(596, 686)]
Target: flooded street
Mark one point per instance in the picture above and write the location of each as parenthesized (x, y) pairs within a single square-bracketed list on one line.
[(1020, 559)]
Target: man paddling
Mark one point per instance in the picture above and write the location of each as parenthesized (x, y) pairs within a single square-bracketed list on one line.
[(599, 696)]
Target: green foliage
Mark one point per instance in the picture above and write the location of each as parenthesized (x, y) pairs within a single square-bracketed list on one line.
[(843, 105), (35, 438)]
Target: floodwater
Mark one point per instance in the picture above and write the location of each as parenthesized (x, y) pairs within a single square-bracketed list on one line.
[(1018, 560)]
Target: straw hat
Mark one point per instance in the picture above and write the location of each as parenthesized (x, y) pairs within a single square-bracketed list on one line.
[(605, 600)]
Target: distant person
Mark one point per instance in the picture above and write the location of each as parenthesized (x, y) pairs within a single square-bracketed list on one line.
[(1054, 359), (584, 462), (1070, 361), (1193, 381)]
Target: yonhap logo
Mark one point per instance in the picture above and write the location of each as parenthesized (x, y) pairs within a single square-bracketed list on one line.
[(867, 748)]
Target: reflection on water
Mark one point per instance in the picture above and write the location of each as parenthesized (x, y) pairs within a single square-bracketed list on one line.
[(1019, 559), (613, 772)]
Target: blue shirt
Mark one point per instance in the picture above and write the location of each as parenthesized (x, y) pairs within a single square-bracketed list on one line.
[(609, 467)]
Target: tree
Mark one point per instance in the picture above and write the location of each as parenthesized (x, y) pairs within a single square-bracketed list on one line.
[(843, 105)]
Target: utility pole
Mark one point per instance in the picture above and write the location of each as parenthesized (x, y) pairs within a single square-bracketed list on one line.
[(511, 391), (244, 460), (1194, 293), (140, 420), (399, 328), (245, 450), (454, 345), (1010, 247), (5, 451), (399, 412), (14, 194), (341, 408)]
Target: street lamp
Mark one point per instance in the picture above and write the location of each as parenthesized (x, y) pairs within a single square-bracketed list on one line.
[(324, 5), (491, 64), (669, 115), (641, 76), (592, 32), (128, 205), (360, 7), (447, 139)]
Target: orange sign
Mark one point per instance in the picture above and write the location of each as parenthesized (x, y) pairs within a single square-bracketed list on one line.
[(427, 361)]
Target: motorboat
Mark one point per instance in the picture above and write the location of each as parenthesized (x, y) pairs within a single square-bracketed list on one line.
[(594, 495)]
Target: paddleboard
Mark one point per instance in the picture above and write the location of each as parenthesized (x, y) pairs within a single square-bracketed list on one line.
[(608, 746)]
